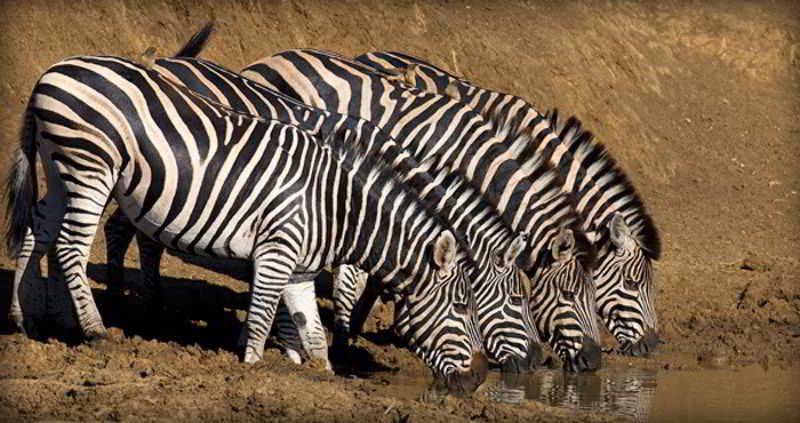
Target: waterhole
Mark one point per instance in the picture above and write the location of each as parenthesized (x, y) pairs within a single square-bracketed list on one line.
[(649, 395)]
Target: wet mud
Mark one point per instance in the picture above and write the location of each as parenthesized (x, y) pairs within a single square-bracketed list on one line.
[(697, 101)]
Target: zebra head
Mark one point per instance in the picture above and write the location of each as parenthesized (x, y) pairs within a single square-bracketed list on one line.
[(563, 302), (502, 300), (625, 294), (439, 324)]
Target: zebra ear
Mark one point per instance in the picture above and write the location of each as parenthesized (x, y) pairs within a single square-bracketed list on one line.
[(411, 75), (620, 233), (452, 91), (562, 245), (514, 250), (444, 252)]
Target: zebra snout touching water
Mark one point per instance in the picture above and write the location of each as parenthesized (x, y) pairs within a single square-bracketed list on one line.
[(623, 233), (203, 179)]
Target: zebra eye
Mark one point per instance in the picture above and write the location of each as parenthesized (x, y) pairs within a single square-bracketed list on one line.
[(460, 308), (568, 295), (516, 300), (631, 284)]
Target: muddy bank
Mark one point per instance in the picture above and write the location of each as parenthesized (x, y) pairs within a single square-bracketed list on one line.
[(696, 100)]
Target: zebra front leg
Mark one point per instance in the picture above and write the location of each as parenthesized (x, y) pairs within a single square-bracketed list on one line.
[(301, 303), (288, 335), (274, 263)]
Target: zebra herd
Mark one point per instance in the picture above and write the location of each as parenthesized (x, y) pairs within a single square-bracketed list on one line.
[(493, 228)]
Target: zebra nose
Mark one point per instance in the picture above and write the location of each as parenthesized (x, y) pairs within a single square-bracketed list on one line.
[(528, 363), (589, 357), (468, 381), (646, 345)]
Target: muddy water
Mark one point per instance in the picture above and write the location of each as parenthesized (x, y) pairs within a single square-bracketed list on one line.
[(649, 395)]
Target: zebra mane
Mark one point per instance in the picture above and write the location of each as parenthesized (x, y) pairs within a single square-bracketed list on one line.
[(425, 64), (547, 183), (349, 149), (581, 145), (451, 194)]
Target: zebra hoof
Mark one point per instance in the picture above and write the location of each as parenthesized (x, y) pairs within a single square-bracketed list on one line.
[(251, 356), (101, 343), (26, 327), (294, 356)]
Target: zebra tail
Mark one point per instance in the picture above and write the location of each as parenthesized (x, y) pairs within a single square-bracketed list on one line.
[(197, 43), (21, 187)]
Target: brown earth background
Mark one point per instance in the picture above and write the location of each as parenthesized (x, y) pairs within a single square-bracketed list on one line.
[(698, 101)]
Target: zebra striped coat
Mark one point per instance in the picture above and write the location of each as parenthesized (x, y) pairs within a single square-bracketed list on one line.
[(624, 234), (202, 178), (506, 329), (528, 198)]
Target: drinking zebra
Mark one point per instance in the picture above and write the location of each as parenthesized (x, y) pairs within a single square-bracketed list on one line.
[(205, 179), (426, 124), (624, 234), (509, 335)]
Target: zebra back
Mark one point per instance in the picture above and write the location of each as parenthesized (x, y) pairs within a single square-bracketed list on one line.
[(613, 213), (427, 124)]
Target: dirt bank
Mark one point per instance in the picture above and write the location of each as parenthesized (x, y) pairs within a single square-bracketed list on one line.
[(697, 101)]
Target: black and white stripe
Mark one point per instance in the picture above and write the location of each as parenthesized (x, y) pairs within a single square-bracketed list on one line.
[(427, 124), (204, 179), (504, 326), (625, 236)]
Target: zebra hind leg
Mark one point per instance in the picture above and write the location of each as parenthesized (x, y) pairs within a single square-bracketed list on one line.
[(119, 232), (84, 207), (28, 298), (349, 283), (150, 253), (29, 292)]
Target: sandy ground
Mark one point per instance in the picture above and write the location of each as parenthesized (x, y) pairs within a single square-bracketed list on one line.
[(697, 101)]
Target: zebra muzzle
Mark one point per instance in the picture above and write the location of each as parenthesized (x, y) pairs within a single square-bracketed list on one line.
[(468, 381), (646, 345), (532, 359)]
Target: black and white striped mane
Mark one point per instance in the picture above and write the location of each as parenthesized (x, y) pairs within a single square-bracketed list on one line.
[(350, 152), (581, 143), (549, 183)]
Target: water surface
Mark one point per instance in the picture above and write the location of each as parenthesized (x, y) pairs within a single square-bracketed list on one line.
[(647, 395)]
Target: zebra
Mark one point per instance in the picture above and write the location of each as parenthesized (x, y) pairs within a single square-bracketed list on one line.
[(510, 337), (624, 234), (205, 179), (427, 123)]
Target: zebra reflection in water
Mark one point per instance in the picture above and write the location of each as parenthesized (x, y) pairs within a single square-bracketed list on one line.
[(629, 393)]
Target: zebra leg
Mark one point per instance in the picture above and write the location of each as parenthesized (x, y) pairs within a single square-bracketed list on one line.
[(28, 295), (85, 205), (349, 283), (119, 233), (274, 262), (301, 302), (150, 253), (288, 335)]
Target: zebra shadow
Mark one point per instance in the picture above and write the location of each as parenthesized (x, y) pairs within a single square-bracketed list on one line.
[(193, 311)]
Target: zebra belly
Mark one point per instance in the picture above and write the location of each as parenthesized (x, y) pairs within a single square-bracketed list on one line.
[(193, 238)]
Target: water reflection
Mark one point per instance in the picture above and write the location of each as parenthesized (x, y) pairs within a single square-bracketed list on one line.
[(647, 395), (629, 392)]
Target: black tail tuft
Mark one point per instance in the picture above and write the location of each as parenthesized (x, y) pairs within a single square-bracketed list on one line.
[(195, 45), (20, 195), (21, 187)]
